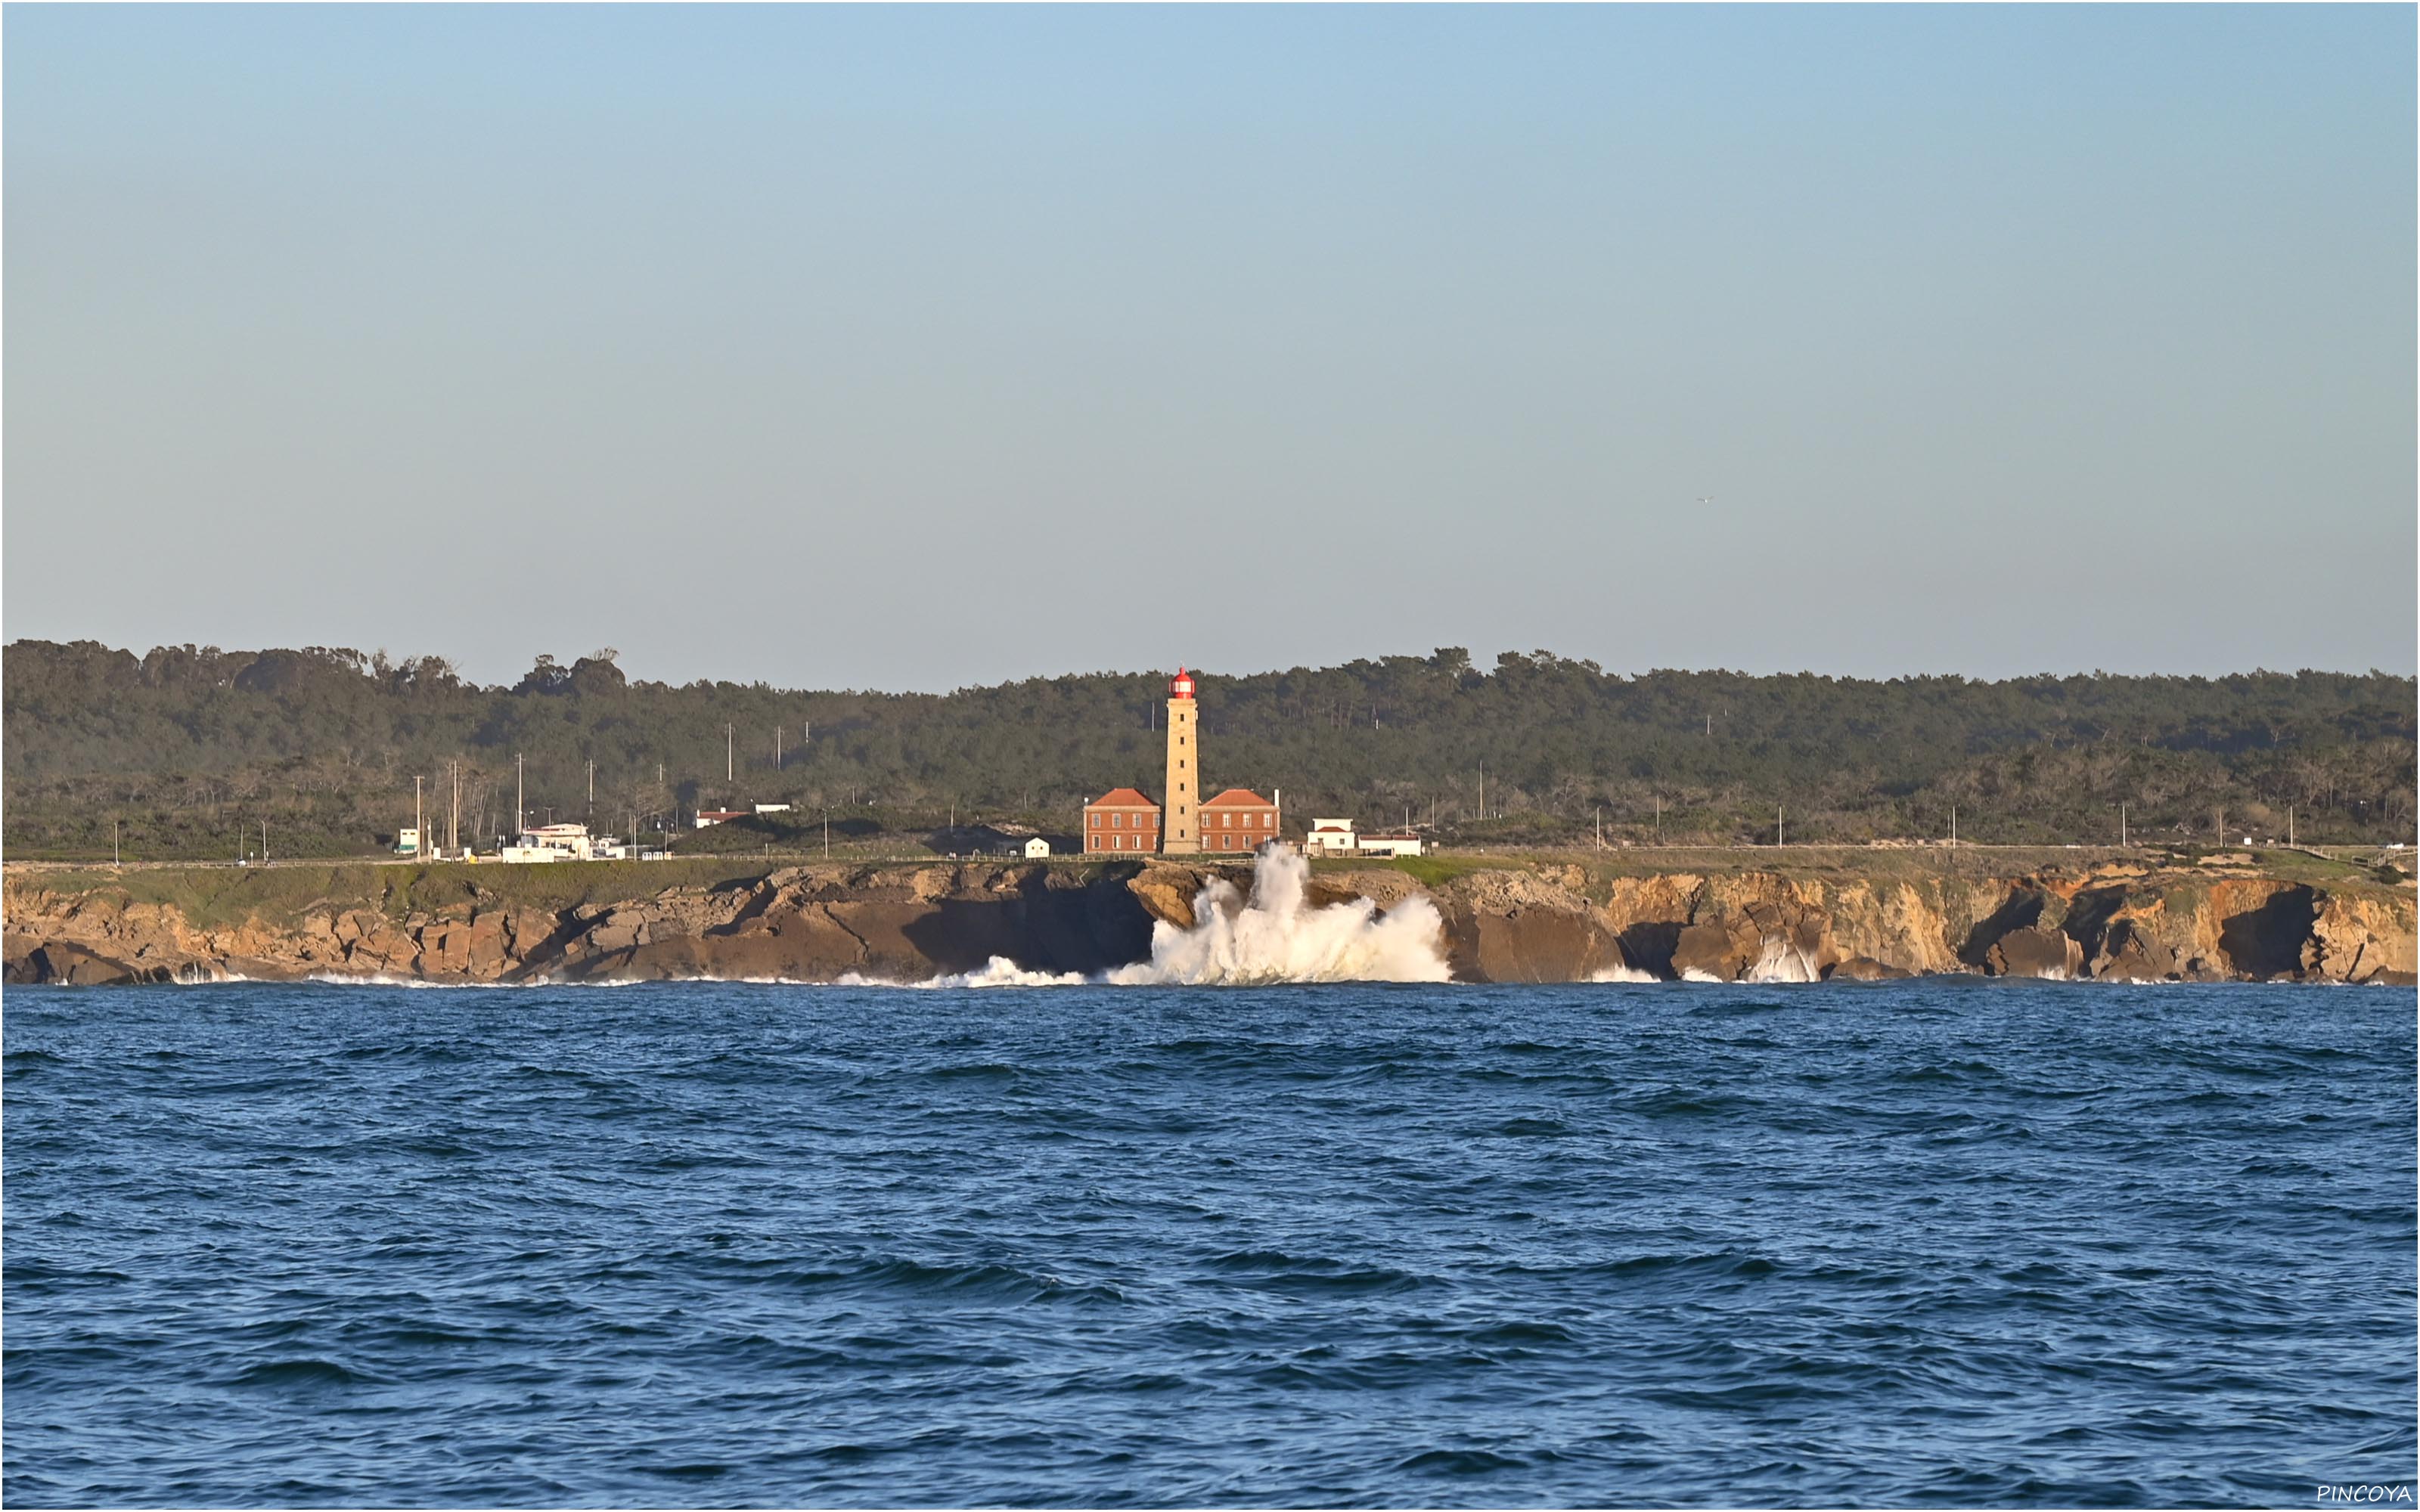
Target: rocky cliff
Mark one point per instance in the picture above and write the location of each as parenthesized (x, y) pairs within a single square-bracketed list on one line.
[(1539, 920)]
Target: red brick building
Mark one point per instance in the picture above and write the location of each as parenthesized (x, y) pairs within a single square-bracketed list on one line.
[(1122, 820), (1238, 820)]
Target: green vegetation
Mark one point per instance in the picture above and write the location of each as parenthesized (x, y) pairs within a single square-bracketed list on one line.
[(190, 749), (1428, 871)]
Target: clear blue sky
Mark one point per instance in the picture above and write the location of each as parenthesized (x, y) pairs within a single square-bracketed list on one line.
[(919, 346)]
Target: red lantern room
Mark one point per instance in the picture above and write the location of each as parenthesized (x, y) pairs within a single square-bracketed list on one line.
[(1180, 686)]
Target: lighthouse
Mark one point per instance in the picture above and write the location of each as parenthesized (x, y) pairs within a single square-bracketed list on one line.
[(1181, 831)]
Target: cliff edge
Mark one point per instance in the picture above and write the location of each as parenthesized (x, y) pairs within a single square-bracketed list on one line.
[(1815, 916)]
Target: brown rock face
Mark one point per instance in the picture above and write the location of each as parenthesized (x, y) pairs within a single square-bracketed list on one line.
[(1862, 968), (2267, 940), (1755, 933), (1720, 949), (2036, 951), (2359, 940), (1547, 921), (2131, 952), (1519, 926), (74, 966)]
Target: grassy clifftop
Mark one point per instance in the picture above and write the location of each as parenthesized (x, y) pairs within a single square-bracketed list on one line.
[(1879, 864)]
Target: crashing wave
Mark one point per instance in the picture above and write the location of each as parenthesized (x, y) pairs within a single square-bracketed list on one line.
[(1625, 973), (1782, 960), (1278, 936), (999, 972)]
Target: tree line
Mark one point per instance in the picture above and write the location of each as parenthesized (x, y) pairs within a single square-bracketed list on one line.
[(190, 746)]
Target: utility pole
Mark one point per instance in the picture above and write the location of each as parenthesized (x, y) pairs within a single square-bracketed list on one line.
[(1777, 824), (1954, 824), (727, 749), (592, 784), (777, 747), (419, 826), (2122, 826), (2290, 824), (453, 824), (827, 834), (1599, 826), (1709, 725), (113, 842), (520, 820), (1659, 819), (263, 842)]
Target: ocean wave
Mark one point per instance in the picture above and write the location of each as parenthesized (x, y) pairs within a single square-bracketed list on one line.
[(999, 972), (1631, 974)]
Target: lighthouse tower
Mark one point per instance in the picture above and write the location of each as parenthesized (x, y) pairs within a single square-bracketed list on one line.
[(1181, 830)]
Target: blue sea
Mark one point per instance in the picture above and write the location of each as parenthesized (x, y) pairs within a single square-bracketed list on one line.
[(1942, 1243)]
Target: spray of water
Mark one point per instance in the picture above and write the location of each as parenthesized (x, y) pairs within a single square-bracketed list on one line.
[(1278, 936), (1781, 960), (1625, 973)]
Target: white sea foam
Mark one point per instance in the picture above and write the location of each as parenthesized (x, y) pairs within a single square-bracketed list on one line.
[(1276, 935), (997, 972), (1625, 973), (1782, 960)]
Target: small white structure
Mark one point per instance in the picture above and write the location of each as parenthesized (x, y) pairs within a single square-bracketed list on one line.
[(773, 807), (1329, 837), (708, 818), (560, 842), (1036, 848), (1391, 842)]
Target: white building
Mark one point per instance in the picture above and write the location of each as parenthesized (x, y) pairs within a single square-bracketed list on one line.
[(773, 807), (1036, 849), (708, 818), (561, 842), (1329, 837), (1391, 842)]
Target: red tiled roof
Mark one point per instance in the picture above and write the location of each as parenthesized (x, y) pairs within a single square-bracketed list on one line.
[(1238, 797), (1331, 829), (1122, 799)]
